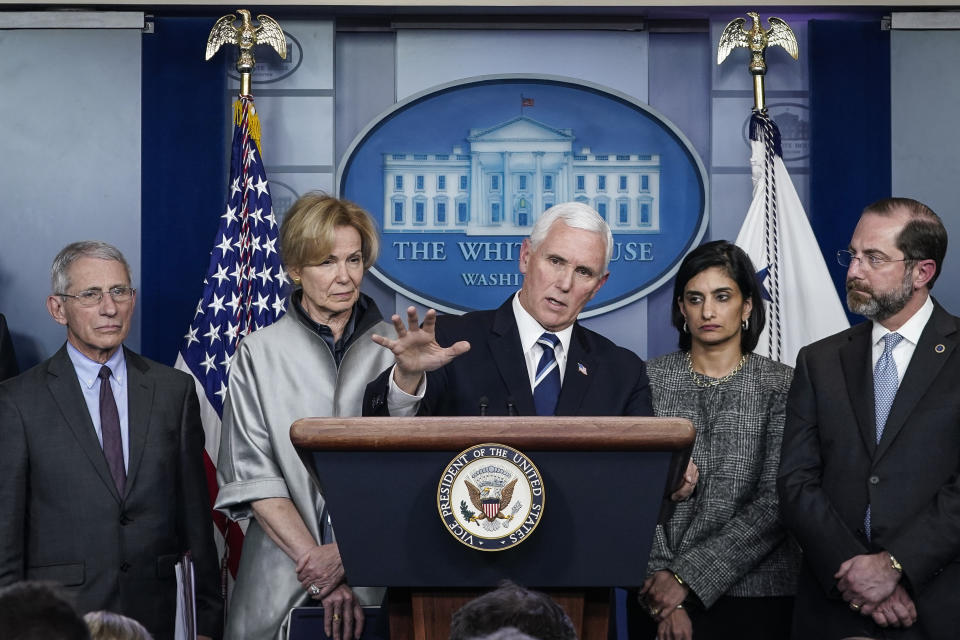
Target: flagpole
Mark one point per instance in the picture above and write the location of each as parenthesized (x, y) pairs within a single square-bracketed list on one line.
[(247, 238), (757, 39), (800, 301)]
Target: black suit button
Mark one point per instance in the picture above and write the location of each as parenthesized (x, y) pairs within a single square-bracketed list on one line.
[(125, 567), (874, 479)]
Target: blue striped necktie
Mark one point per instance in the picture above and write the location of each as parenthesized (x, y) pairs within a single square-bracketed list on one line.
[(886, 381), (546, 385)]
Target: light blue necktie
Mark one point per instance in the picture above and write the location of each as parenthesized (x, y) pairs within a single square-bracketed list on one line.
[(546, 385), (886, 381)]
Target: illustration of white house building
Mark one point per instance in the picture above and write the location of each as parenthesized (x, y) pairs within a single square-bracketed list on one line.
[(512, 173)]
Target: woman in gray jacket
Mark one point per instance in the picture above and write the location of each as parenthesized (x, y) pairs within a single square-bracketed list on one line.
[(721, 566), (315, 361)]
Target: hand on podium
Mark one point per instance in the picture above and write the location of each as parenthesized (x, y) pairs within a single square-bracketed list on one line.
[(690, 479)]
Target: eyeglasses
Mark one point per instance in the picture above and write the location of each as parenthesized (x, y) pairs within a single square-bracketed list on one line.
[(92, 297), (845, 258)]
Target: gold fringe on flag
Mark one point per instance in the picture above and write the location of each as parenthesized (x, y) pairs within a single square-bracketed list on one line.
[(253, 120)]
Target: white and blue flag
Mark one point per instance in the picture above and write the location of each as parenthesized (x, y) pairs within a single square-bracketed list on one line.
[(802, 303)]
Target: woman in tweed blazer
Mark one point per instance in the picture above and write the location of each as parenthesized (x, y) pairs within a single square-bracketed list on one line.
[(721, 566)]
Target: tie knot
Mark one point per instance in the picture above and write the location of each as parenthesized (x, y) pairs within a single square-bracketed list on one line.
[(890, 341), (548, 340), (105, 372)]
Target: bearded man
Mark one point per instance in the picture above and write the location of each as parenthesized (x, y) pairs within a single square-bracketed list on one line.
[(869, 476)]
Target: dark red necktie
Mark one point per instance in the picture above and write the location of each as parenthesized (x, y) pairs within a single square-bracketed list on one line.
[(110, 430)]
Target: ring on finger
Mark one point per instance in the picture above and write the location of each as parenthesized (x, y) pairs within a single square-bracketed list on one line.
[(336, 617), (314, 590), (855, 606)]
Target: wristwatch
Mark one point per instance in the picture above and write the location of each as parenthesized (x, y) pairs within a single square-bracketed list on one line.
[(895, 564)]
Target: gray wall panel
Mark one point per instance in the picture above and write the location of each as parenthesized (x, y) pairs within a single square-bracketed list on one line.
[(925, 89), (70, 167)]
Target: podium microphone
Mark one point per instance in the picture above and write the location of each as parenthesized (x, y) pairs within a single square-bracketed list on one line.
[(483, 405), (511, 408)]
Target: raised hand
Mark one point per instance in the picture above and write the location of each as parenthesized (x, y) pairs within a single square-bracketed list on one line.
[(416, 350)]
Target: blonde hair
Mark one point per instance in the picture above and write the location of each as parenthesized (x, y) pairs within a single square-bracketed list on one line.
[(308, 228), (106, 625)]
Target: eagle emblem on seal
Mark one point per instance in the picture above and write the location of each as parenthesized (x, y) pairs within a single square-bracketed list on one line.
[(490, 501)]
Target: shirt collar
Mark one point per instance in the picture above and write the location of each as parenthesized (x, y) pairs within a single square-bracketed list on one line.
[(531, 330), (88, 370), (322, 329), (911, 329)]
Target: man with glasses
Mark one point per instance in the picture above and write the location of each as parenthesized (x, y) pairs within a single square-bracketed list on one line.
[(869, 476), (102, 484)]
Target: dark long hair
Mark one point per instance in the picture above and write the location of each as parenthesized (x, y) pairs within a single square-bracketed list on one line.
[(736, 263)]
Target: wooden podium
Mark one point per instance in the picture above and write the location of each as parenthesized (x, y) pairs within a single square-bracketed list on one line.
[(606, 482)]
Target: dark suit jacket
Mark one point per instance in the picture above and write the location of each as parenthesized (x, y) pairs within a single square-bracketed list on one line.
[(61, 518), (8, 360), (601, 379), (831, 468)]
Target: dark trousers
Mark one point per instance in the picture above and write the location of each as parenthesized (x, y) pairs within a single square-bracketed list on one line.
[(729, 618)]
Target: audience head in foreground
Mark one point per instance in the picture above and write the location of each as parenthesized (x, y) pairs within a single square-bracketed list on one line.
[(510, 605)]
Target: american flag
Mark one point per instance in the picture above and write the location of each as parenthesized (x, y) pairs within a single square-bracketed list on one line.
[(245, 289)]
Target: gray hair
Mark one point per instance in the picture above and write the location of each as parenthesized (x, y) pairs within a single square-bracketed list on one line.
[(578, 216), (60, 270), (106, 625)]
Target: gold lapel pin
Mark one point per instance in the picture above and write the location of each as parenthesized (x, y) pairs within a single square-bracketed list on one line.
[(939, 348)]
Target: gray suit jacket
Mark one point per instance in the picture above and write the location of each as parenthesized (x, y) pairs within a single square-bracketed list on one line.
[(61, 518), (831, 467)]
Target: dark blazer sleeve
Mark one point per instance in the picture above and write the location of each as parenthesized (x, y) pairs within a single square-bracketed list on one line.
[(13, 489), (8, 359), (375, 395), (805, 508), (640, 403), (196, 517)]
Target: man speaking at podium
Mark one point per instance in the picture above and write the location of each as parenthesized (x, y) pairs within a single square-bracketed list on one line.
[(529, 356)]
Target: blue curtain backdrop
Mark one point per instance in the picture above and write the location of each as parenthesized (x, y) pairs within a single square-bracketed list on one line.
[(185, 104), (850, 163)]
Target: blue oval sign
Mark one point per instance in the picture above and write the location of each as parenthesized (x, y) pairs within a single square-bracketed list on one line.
[(457, 175)]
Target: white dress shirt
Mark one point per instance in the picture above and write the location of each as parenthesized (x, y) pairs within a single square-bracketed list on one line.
[(911, 330)]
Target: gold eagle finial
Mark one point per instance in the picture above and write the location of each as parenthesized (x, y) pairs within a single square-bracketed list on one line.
[(246, 36), (756, 39)]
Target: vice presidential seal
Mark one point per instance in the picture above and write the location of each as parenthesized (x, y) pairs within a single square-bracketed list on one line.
[(490, 497)]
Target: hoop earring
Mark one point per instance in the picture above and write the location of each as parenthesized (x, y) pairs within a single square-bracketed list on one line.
[(685, 330), (296, 280), (745, 324)]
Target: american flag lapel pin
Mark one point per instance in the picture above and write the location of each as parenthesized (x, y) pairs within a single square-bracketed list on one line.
[(582, 368)]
